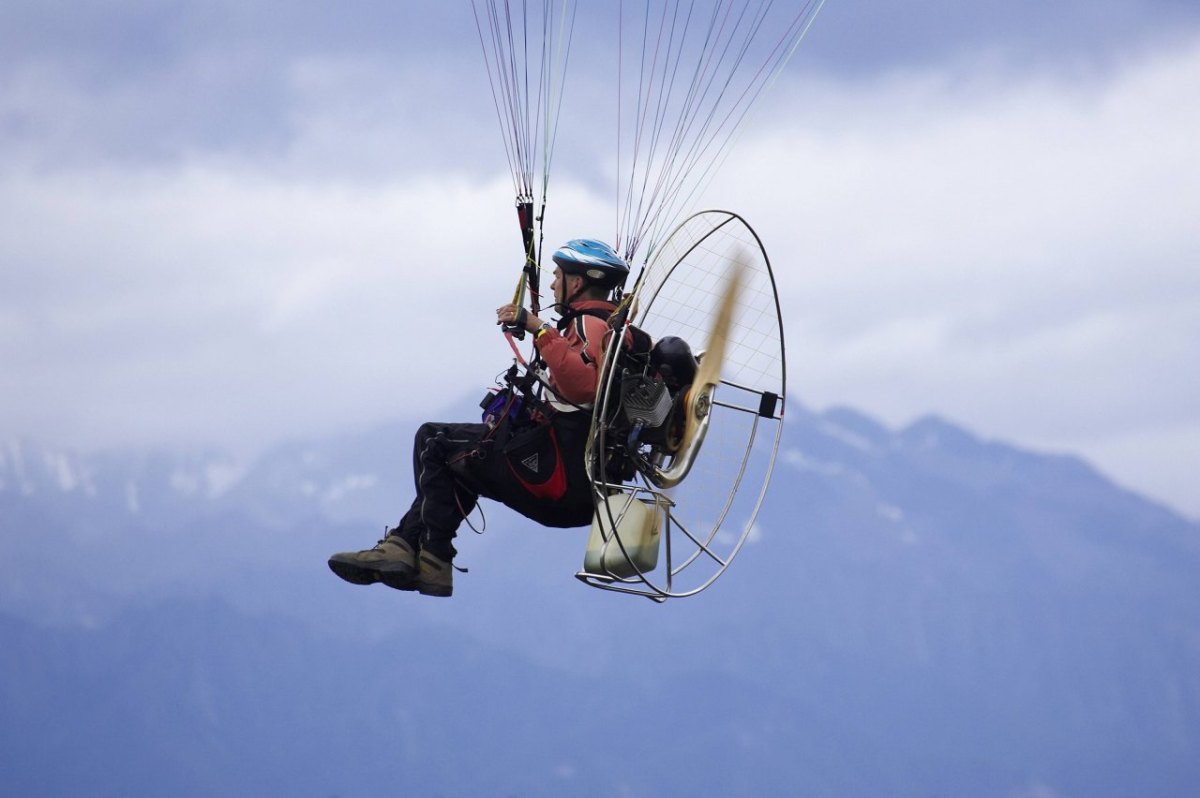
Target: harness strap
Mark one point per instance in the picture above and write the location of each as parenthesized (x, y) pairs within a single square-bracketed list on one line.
[(574, 313)]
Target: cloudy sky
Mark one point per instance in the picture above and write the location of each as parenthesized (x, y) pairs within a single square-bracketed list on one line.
[(229, 223)]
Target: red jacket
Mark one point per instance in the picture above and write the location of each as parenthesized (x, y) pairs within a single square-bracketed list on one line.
[(574, 355)]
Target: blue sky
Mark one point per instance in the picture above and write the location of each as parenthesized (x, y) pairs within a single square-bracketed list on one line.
[(230, 223)]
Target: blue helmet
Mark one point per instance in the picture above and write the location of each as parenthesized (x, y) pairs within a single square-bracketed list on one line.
[(593, 260)]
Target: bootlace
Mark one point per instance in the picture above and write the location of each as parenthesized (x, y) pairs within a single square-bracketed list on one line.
[(387, 533)]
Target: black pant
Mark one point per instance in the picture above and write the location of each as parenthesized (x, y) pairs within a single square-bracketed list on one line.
[(536, 469)]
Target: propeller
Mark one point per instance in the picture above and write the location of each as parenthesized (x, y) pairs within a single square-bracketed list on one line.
[(697, 407)]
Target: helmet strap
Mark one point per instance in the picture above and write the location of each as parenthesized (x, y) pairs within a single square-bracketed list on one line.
[(584, 286)]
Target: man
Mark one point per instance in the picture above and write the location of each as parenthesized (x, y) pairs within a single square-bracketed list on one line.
[(529, 458)]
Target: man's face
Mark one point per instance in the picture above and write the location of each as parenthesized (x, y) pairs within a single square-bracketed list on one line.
[(563, 285)]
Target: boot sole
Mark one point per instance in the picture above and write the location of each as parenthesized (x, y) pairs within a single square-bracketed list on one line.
[(400, 580), (398, 576), (433, 590)]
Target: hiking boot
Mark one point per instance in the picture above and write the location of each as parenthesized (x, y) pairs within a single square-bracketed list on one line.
[(393, 562), (436, 577)]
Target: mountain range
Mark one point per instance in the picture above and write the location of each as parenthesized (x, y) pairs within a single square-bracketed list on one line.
[(922, 613)]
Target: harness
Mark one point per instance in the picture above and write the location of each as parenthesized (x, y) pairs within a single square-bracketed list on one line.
[(520, 430), (522, 438)]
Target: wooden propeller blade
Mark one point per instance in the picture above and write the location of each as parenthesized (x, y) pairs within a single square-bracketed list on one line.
[(698, 406)]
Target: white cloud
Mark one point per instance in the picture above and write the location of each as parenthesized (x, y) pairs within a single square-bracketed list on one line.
[(1017, 253), (1013, 252), (207, 304)]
